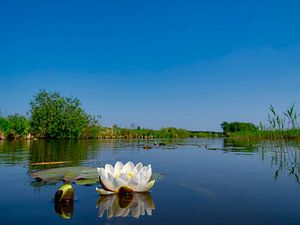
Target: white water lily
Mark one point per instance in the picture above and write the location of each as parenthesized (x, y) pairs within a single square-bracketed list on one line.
[(135, 205), (125, 178)]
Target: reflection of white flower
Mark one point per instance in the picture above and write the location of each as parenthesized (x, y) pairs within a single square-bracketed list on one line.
[(136, 205), (125, 178)]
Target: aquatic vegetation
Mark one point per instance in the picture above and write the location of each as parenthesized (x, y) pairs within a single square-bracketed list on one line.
[(135, 205), (281, 126), (125, 178), (78, 174)]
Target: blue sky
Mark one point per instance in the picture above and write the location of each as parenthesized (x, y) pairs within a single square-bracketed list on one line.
[(190, 64)]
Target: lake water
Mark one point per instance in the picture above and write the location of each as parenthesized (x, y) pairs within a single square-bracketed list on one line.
[(203, 181)]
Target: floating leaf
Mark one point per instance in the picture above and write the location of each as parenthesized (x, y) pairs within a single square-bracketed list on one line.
[(87, 182), (67, 174)]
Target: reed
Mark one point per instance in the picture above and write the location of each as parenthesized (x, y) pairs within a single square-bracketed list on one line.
[(281, 126)]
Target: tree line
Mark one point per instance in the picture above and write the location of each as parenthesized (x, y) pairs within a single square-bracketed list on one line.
[(52, 116)]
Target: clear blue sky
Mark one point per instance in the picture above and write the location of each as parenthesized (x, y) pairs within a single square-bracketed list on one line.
[(190, 64)]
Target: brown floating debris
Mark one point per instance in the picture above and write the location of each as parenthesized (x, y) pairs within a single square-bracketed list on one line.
[(49, 163), (147, 147)]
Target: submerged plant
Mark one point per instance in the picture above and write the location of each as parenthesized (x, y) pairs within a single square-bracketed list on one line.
[(125, 178)]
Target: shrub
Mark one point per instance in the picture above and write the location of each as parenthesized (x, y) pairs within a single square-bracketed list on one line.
[(57, 117), (229, 128)]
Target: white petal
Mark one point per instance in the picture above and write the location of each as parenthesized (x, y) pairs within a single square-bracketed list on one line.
[(102, 172), (106, 183), (124, 177), (104, 192), (112, 182), (145, 187), (118, 167), (128, 167), (138, 167), (136, 179), (142, 174), (120, 182), (146, 176), (109, 168), (135, 182)]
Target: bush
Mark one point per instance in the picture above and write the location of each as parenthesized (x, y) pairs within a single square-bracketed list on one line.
[(229, 128), (57, 117), (14, 126)]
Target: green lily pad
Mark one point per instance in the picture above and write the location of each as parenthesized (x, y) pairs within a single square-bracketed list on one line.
[(67, 174), (86, 182)]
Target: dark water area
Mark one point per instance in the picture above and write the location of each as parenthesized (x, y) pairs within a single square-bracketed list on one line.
[(205, 181)]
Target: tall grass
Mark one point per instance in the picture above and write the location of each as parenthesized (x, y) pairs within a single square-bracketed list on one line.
[(282, 126)]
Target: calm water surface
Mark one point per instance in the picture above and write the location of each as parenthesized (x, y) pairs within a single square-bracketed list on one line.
[(206, 181)]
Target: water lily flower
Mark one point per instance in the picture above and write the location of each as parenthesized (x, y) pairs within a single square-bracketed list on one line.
[(125, 178), (135, 205)]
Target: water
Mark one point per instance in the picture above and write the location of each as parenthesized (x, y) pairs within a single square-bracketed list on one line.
[(203, 183)]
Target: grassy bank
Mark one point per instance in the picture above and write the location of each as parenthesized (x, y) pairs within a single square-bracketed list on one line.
[(280, 126), (291, 134), (143, 133)]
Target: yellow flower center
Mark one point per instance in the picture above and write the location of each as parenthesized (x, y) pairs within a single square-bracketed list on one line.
[(130, 175)]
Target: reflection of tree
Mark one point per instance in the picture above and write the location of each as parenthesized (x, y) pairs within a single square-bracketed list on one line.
[(54, 151), (17, 152), (14, 152), (136, 205), (240, 146)]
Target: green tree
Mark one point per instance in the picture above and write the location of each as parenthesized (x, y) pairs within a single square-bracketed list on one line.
[(14, 126), (57, 117), (4, 125), (233, 127), (18, 126)]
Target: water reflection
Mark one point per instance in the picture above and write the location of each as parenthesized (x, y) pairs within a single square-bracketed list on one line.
[(285, 157), (13, 152), (64, 209), (54, 151), (135, 205)]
